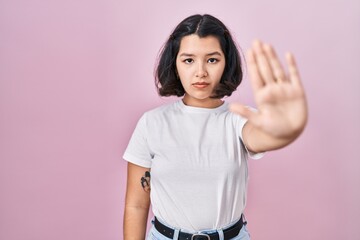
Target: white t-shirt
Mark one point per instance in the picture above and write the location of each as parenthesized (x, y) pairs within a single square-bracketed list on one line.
[(198, 164)]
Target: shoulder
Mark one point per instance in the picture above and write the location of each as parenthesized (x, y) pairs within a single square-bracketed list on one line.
[(158, 114), (234, 119)]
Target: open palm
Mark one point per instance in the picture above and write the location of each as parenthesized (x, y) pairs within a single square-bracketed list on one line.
[(280, 97)]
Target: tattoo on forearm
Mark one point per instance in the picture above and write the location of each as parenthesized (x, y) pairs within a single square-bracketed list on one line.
[(145, 181)]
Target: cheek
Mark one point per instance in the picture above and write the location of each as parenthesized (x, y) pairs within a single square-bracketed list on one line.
[(218, 73), (183, 73), (181, 76), (221, 72), (179, 70)]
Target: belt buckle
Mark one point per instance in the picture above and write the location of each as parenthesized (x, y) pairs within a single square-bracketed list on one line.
[(202, 235)]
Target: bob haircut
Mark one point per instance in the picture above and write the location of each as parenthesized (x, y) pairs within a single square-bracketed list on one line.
[(166, 77)]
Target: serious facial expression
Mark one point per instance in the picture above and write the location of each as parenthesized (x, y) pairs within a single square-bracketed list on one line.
[(200, 64)]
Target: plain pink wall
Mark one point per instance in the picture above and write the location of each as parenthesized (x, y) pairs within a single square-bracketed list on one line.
[(76, 75)]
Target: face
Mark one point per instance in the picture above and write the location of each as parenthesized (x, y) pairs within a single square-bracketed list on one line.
[(200, 64)]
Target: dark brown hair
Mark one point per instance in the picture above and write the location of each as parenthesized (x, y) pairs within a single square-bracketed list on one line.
[(166, 78)]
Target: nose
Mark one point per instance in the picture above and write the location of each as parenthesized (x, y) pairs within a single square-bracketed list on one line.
[(201, 72)]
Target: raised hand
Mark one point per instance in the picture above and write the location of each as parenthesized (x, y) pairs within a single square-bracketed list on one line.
[(279, 95)]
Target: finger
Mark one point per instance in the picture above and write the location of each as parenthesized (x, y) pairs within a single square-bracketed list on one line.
[(293, 70), (277, 69), (262, 62), (255, 77), (246, 112)]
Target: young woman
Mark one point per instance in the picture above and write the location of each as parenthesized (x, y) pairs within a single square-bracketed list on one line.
[(195, 150)]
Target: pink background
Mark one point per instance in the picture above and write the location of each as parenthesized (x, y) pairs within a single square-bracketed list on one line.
[(75, 75)]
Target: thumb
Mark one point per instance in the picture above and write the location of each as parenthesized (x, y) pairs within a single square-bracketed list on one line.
[(242, 110)]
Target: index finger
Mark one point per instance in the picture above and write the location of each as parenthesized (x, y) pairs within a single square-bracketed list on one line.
[(255, 77), (293, 69)]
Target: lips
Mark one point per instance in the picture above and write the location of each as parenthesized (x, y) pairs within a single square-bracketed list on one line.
[(201, 84)]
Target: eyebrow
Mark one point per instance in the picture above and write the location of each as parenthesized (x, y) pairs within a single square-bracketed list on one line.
[(191, 55)]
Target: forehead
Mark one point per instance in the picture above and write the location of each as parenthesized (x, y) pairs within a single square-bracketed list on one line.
[(193, 44)]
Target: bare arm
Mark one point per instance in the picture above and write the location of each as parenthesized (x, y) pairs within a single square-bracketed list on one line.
[(137, 204), (280, 99)]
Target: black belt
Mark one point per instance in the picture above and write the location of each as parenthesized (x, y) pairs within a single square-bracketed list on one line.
[(229, 233)]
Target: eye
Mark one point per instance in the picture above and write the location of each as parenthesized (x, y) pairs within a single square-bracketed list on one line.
[(188, 60), (212, 60)]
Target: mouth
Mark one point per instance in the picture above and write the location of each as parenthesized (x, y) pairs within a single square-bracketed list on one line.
[(201, 84)]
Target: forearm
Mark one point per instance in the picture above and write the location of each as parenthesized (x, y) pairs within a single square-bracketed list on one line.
[(135, 222), (259, 141)]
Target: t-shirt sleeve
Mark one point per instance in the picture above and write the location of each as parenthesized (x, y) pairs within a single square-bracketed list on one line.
[(137, 151), (241, 124)]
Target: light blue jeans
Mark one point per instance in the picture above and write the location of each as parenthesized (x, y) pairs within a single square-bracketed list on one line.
[(155, 235)]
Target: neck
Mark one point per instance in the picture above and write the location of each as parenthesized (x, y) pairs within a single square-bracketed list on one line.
[(203, 103)]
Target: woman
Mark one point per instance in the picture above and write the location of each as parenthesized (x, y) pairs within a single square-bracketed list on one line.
[(196, 148)]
